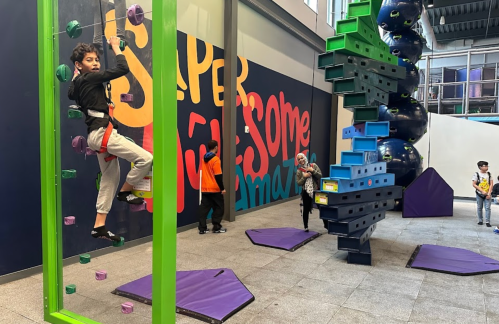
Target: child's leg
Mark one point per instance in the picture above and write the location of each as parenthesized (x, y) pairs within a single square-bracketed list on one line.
[(487, 210), (121, 147), (479, 207), (98, 19), (120, 14)]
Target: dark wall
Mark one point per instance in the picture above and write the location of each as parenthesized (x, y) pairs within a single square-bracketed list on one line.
[(20, 229)]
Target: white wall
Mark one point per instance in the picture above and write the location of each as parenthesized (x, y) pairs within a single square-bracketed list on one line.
[(455, 146), (263, 42), (203, 19)]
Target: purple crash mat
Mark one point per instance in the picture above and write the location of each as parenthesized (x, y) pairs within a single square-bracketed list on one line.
[(286, 238), (211, 295), (451, 260)]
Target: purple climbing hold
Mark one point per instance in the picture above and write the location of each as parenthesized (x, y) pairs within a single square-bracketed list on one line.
[(126, 97), (89, 151), (100, 275), (137, 208), (135, 14), (79, 144), (69, 220), (127, 308)]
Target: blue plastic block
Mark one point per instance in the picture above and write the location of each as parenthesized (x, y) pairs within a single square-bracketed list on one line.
[(344, 185), (356, 240), (375, 129), (358, 158), (363, 257), (356, 171), (364, 144), (350, 226)]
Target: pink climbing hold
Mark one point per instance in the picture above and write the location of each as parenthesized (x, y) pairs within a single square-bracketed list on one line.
[(69, 220), (135, 14), (101, 275), (127, 308), (137, 208), (126, 97), (79, 144), (89, 151)]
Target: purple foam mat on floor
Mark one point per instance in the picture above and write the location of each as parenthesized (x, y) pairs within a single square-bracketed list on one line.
[(451, 260), (428, 196), (286, 238), (211, 295)]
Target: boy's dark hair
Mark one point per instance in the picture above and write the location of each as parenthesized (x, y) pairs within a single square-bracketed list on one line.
[(482, 163), (80, 50), (212, 144)]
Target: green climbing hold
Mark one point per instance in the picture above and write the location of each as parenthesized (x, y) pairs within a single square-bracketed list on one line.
[(84, 258), (63, 73), (120, 243), (122, 45), (73, 29), (68, 174), (70, 289), (75, 114)]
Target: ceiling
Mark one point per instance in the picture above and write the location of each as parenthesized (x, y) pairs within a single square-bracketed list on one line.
[(464, 19)]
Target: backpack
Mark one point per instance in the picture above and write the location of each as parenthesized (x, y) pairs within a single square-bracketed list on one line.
[(481, 195)]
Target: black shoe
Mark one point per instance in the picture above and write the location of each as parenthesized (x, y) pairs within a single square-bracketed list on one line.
[(129, 197), (488, 225), (480, 223), (103, 233), (306, 230), (220, 230), (204, 231)]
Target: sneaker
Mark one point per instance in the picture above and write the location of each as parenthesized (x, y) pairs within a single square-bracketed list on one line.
[(488, 225), (103, 233), (204, 231), (129, 197), (496, 230), (220, 230), (306, 230), (480, 223)]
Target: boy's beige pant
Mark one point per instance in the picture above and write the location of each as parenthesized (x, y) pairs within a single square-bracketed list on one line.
[(121, 147)]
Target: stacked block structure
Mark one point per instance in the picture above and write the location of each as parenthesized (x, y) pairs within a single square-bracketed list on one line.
[(359, 190)]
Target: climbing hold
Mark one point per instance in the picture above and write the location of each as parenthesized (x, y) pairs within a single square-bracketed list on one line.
[(122, 45), (73, 29), (70, 289), (137, 208), (101, 275), (120, 243), (79, 144), (89, 151), (84, 258), (127, 308), (126, 97), (135, 14), (68, 174), (69, 220), (63, 73), (74, 114)]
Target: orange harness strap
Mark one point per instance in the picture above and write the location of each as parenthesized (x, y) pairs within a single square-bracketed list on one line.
[(107, 135)]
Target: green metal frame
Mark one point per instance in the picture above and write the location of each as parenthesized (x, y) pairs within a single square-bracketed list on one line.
[(164, 38)]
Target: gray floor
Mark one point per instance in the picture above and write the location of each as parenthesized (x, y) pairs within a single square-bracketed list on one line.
[(311, 285)]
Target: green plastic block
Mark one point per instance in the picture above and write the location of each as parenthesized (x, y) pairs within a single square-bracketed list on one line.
[(365, 99), (359, 83), (349, 71), (74, 114), (358, 29), (347, 44), (341, 86), (364, 11), (392, 71), (84, 258), (365, 114), (68, 174), (120, 243), (70, 289)]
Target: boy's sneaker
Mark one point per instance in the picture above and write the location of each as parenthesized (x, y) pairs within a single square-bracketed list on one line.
[(129, 197), (488, 225), (306, 230), (220, 230), (496, 230), (103, 233), (204, 231), (480, 223)]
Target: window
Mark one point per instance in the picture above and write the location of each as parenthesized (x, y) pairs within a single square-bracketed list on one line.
[(336, 10), (312, 4)]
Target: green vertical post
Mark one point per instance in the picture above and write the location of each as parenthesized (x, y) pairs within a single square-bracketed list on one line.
[(164, 53)]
